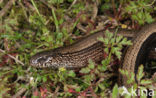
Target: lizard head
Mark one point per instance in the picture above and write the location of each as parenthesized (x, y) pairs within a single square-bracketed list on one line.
[(47, 59), (42, 59)]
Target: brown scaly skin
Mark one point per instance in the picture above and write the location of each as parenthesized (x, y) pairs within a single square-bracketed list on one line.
[(136, 54), (77, 54)]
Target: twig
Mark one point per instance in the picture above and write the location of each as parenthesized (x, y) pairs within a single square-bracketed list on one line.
[(22, 90), (12, 57), (151, 3), (56, 91), (27, 4), (7, 7), (5, 68), (1, 1), (73, 3), (80, 27), (95, 10)]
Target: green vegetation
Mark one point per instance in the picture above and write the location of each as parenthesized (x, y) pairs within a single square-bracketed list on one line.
[(143, 84), (31, 26)]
